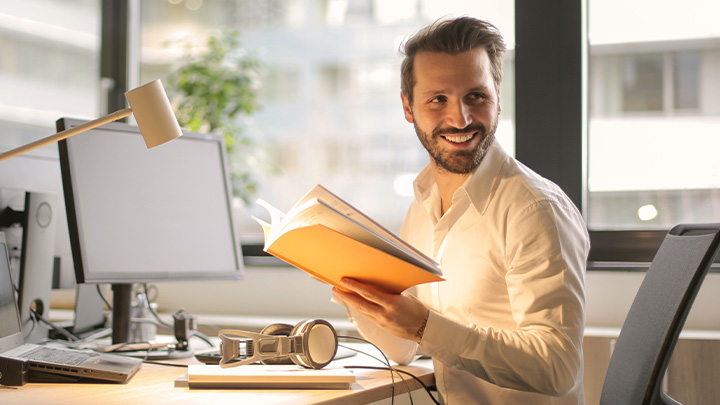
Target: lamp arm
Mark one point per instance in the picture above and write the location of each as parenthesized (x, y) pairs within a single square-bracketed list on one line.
[(66, 133)]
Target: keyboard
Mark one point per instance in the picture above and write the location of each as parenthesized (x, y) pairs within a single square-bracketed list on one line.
[(58, 356)]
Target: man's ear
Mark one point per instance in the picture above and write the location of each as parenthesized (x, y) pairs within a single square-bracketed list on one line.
[(407, 109)]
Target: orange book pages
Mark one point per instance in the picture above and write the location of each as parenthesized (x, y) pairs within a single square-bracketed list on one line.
[(330, 256)]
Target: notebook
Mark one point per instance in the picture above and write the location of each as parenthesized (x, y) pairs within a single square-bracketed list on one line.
[(46, 363), (266, 377)]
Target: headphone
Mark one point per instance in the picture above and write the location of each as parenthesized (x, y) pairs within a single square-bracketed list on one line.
[(310, 344)]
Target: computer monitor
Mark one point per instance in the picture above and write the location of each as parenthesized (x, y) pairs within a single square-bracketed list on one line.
[(32, 215), (139, 215)]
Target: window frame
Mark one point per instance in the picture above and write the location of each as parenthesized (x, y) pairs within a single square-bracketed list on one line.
[(552, 117)]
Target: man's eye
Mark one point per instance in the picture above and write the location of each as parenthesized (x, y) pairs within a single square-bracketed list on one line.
[(439, 99), (476, 96)]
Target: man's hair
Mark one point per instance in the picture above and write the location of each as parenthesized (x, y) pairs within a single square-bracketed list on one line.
[(452, 36)]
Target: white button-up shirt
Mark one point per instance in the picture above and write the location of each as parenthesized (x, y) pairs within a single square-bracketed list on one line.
[(506, 326)]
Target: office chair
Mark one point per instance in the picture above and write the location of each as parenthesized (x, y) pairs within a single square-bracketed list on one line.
[(657, 315)]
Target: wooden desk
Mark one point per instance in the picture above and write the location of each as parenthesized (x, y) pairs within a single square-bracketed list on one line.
[(154, 384)]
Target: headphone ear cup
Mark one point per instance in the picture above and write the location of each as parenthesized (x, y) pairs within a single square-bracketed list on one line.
[(278, 329), (319, 343)]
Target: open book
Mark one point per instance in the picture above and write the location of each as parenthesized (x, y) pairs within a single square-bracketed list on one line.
[(329, 239)]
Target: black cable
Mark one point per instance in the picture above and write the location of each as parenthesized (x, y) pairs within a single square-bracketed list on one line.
[(54, 327), (102, 297), (151, 287), (362, 352), (34, 325), (203, 337), (427, 389), (391, 369), (152, 310), (397, 370), (163, 324), (392, 375)]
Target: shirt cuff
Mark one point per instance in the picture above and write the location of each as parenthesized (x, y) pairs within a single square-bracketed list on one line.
[(444, 339)]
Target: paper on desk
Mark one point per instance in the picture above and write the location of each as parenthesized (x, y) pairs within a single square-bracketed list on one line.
[(267, 376)]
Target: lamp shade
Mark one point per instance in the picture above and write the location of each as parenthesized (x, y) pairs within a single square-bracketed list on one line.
[(152, 110), (153, 113)]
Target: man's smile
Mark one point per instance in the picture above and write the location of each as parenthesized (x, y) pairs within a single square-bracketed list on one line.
[(459, 138)]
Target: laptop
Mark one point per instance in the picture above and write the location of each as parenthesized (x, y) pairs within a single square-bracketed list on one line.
[(47, 364)]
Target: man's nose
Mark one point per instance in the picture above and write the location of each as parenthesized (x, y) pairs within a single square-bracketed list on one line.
[(458, 115)]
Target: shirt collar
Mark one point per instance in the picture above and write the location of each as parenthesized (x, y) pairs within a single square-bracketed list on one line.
[(478, 187)]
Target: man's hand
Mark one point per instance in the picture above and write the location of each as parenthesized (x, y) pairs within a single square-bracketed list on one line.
[(400, 314)]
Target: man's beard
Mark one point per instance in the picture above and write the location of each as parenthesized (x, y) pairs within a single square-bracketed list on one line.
[(459, 162)]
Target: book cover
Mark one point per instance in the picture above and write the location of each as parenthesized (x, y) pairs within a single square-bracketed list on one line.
[(329, 239)]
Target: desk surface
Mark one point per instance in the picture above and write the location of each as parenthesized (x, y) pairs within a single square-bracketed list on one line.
[(155, 384)]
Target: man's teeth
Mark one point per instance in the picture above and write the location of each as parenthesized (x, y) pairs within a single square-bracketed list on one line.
[(459, 139)]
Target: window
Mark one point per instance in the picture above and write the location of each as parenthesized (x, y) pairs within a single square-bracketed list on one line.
[(33, 36), (639, 83), (642, 82), (686, 80), (330, 98), (653, 124)]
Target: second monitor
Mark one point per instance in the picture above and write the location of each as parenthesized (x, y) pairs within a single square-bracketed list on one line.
[(140, 215)]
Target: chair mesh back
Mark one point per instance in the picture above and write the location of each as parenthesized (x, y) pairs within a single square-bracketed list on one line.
[(657, 314)]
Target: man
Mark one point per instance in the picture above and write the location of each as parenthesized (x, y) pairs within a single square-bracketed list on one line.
[(506, 325)]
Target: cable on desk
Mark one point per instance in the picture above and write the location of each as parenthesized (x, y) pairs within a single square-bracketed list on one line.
[(389, 367), (34, 325), (102, 296), (166, 325), (122, 345), (54, 327), (397, 370), (202, 337), (160, 363), (407, 387), (152, 310)]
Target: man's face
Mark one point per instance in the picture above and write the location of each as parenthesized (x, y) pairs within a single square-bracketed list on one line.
[(455, 108)]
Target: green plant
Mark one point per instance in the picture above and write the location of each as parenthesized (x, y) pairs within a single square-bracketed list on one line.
[(214, 89)]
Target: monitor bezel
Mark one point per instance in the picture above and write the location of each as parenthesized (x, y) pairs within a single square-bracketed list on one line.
[(83, 273)]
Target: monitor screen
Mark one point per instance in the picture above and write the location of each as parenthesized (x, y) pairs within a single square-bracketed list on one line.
[(10, 333), (138, 215)]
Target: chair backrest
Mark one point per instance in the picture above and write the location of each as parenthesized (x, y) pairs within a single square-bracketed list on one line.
[(657, 315)]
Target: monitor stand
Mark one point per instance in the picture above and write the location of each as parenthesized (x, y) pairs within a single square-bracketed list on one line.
[(36, 263), (89, 310), (121, 320), (122, 302)]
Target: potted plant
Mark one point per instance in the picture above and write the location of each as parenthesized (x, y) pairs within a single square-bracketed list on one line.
[(214, 90)]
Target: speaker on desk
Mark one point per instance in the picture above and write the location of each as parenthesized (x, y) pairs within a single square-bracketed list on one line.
[(310, 344)]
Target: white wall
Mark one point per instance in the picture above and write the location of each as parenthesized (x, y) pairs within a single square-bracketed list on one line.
[(265, 291), (610, 294), (286, 292)]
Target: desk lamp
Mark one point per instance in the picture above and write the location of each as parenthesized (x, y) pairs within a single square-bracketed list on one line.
[(156, 122), (152, 110)]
